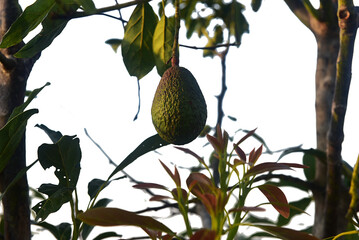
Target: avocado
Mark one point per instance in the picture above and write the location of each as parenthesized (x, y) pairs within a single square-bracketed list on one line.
[(179, 110)]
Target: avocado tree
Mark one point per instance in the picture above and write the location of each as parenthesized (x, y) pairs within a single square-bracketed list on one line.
[(141, 54)]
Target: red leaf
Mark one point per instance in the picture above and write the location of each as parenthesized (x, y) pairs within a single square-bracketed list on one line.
[(177, 178), (253, 157), (250, 133), (149, 185), (247, 209), (277, 198), (204, 234), (158, 198), (183, 192), (199, 182), (168, 171), (295, 165), (186, 150), (117, 217), (286, 233), (240, 153), (266, 167), (214, 142)]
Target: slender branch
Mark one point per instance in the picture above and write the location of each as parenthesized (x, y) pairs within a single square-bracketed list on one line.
[(175, 52), (105, 9), (300, 10), (211, 47)]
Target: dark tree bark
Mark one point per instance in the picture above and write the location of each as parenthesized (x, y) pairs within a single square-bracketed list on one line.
[(13, 76)]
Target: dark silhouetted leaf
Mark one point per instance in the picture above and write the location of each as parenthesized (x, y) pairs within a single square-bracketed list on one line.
[(150, 144), (53, 135), (149, 185), (204, 234), (309, 160), (94, 186), (256, 4)]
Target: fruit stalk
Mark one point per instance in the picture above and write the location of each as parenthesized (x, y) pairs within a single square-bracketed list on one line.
[(175, 52)]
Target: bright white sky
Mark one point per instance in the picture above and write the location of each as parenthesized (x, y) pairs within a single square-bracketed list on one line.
[(270, 81)]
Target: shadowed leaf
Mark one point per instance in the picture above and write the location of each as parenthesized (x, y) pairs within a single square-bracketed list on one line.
[(277, 198)]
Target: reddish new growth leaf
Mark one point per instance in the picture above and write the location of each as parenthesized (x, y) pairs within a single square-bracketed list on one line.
[(277, 198), (240, 152), (204, 234), (159, 198), (149, 185), (247, 209), (175, 176), (186, 150), (220, 142), (250, 133), (198, 182), (254, 155), (183, 193)]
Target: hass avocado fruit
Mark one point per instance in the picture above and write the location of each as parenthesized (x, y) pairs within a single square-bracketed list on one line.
[(179, 110)]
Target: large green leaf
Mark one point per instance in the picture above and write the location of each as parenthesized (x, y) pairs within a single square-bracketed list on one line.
[(150, 144), (52, 26), (60, 232), (11, 135), (32, 16), (119, 217), (163, 38), (136, 46), (236, 22)]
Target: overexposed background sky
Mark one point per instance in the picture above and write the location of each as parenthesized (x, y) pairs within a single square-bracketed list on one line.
[(270, 80)]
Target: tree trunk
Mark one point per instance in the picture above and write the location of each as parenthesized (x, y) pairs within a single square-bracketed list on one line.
[(328, 47), (13, 76)]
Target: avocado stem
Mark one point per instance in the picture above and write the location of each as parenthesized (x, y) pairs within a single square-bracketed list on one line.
[(175, 50)]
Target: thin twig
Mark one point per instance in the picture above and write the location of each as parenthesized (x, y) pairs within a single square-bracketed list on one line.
[(211, 47)]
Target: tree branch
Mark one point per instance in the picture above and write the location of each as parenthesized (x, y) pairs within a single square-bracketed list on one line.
[(300, 10), (211, 47), (105, 9), (348, 28)]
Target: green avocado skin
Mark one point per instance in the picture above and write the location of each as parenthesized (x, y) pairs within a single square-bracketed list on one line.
[(179, 110)]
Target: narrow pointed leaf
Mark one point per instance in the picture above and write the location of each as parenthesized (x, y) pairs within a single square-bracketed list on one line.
[(136, 46), (277, 198), (163, 38), (11, 135), (266, 167), (55, 136), (150, 144), (186, 150), (149, 185), (255, 156), (286, 233), (119, 217), (32, 16), (240, 153)]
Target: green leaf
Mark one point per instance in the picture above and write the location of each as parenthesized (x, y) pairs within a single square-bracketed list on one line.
[(256, 4), (17, 178), (88, 5), (44, 208), (94, 186), (60, 232), (238, 24), (114, 43), (107, 235), (150, 144), (163, 38), (32, 95), (297, 207), (136, 46), (11, 135), (118, 217), (32, 16), (52, 26), (286, 233), (309, 160)]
